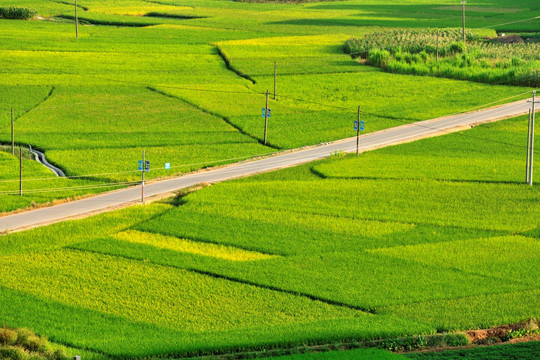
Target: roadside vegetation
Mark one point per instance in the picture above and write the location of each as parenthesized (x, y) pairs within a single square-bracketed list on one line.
[(442, 53)]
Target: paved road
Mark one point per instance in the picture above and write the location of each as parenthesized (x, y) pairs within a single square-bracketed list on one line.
[(370, 141)]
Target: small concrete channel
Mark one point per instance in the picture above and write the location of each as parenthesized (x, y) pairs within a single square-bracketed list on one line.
[(40, 157)]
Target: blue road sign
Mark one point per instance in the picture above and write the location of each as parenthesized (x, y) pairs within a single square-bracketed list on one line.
[(355, 125), (147, 165), (269, 112), (263, 112), (140, 165), (361, 126), (167, 166)]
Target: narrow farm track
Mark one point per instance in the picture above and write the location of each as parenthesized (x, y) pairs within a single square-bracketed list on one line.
[(371, 141)]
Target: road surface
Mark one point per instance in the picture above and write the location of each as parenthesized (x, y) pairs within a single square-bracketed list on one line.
[(369, 141)]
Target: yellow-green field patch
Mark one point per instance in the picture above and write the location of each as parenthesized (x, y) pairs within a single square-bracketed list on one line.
[(192, 247)]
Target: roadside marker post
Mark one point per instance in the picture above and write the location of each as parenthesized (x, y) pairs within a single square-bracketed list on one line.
[(167, 166)]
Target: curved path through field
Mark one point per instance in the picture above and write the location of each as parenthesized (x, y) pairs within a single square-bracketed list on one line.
[(124, 197)]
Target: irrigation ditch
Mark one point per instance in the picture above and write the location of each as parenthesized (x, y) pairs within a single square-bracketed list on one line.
[(38, 156)]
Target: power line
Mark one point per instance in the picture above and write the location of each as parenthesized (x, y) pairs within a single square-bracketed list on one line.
[(136, 171), (284, 127), (72, 188)]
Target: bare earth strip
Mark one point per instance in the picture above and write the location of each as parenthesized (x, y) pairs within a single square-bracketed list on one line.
[(113, 200)]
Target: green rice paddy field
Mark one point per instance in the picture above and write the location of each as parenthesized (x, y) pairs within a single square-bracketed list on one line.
[(418, 238), (153, 75), (434, 236)]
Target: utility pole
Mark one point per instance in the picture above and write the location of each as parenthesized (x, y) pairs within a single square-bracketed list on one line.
[(358, 132), (143, 171), (12, 133), (531, 148), (528, 147), (463, 21), (266, 118), (76, 21), (437, 45), (275, 71), (20, 170)]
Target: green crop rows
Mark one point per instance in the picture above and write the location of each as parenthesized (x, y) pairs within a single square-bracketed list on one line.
[(436, 235), (443, 53), (324, 252), (185, 81)]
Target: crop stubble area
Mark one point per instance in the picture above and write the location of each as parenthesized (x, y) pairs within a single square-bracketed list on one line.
[(345, 248)]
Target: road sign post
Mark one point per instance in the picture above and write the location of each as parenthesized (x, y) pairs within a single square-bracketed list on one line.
[(266, 118), (357, 126), (143, 170)]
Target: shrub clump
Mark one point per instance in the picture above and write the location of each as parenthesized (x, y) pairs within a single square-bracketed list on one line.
[(23, 344), (17, 13), (421, 342)]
